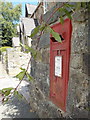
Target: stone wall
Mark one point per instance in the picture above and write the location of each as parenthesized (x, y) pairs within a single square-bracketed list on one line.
[(4, 59), (78, 85), (13, 59), (77, 99)]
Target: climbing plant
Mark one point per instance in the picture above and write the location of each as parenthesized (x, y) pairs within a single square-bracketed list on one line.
[(66, 8)]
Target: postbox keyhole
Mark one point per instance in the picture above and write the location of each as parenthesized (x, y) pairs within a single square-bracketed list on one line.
[(58, 52)]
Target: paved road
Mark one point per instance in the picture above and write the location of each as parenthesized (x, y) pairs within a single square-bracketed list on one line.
[(15, 108)]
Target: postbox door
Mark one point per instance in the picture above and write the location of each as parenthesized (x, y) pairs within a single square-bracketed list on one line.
[(59, 67), (58, 81)]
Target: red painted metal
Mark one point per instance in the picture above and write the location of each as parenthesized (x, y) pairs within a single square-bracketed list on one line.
[(59, 85)]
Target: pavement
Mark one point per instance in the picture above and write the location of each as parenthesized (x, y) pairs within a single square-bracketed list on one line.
[(15, 108)]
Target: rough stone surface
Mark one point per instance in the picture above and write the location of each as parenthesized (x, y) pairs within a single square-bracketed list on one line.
[(77, 101), (46, 38), (4, 59), (79, 45)]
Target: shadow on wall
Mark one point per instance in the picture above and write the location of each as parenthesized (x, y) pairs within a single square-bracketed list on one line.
[(86, 65)]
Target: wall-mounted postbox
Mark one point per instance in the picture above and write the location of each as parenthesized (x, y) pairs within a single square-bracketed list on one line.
[(59, 64)]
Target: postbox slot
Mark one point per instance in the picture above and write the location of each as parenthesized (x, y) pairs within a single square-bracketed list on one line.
[(53, 39), (61, 37)]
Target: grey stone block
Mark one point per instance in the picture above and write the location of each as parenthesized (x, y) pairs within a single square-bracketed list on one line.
[(44, 40)]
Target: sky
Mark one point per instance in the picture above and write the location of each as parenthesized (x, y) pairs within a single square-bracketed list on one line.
[(22, 0), (15, 2)]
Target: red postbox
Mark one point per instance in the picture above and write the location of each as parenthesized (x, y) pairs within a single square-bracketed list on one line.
[(59, 64)]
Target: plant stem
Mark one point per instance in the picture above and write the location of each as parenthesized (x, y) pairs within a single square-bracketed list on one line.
[(23, 76), (55, 11), (48, 21)]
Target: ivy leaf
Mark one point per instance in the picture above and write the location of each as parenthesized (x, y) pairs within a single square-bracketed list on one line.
[(35, 53), (83, 4), (22, 68), (5, 100), (21, 74), (55, 35), (29, 77), (35, 31), (18, 94), (69, 5), (42, 27), (61, 9), (29, 49), (61, 20), (78, 5), (67, 13), (26, 47), (15, 92), (6, 91)]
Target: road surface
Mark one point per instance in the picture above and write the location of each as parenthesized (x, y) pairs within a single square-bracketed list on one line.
[(15, 108)]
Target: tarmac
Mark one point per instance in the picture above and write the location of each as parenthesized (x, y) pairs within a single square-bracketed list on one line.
[(15, 108)]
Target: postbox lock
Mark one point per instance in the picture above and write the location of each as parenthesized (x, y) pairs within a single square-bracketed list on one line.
[(58, 52), (53, 95)]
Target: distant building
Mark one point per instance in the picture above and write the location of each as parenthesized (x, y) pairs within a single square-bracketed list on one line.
[(38, 13), (29, 9), (15, 42), (26, 26), (18, 30)]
